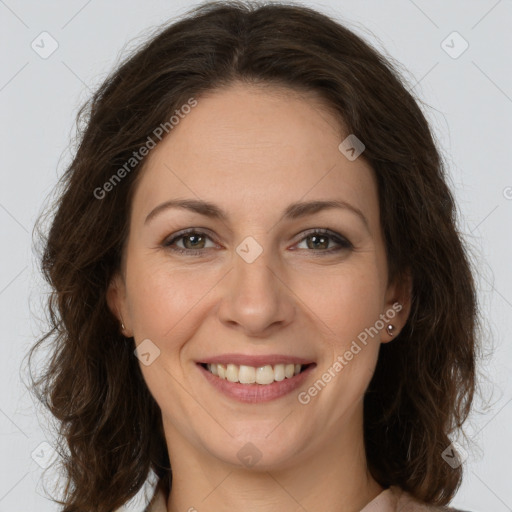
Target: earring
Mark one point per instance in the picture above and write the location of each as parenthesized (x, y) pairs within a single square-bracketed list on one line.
[(122, 323), (390, 329)]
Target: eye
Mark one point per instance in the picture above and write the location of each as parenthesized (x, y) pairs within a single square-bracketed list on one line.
[(193, 242), (320, 239), (316, 239)]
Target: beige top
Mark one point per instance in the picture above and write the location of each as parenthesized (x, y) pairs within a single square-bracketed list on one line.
[(393, 499)]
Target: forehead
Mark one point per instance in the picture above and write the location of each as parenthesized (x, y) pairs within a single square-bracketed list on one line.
[(255, 149)]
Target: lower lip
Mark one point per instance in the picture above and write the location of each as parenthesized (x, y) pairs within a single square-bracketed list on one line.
[(256, 393)]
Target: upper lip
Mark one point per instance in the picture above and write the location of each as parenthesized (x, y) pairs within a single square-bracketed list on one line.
[(256, 361)]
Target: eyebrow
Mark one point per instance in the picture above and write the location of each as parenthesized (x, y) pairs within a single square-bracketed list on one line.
[(293, 211)]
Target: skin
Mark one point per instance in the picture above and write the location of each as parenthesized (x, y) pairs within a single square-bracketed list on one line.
[(253, 151)]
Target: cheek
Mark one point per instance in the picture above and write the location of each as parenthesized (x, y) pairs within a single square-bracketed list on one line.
[(350, 309), (345, 301), (160, 297)]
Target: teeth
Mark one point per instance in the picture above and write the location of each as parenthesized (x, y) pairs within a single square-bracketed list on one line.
[(265, 375), (279, 372), (246, 374), (250, 375), (232, 373)]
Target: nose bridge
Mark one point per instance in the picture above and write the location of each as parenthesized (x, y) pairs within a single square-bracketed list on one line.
[(253, 273), (256, 298)]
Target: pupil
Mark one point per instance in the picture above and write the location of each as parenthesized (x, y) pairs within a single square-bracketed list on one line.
[(189, 237), (317, 238)]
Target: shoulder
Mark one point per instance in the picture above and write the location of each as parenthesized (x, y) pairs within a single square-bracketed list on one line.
[(407, 503), (450, 509), (158, 502)]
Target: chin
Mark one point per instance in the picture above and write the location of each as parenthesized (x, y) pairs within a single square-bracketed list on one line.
[(256, 449)]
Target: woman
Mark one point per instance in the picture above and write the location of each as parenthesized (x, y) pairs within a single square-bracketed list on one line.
[(258, 280)]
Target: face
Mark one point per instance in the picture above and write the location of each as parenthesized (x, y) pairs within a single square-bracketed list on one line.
[(265, 283)]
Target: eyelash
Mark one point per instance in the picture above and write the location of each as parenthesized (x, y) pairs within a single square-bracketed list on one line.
[(340, 240)]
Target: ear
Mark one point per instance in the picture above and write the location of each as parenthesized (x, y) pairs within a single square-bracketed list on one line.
[(397, 304), (116, 300)]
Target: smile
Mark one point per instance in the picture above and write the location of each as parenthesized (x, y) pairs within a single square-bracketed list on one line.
[(264, 375), (252, 384)]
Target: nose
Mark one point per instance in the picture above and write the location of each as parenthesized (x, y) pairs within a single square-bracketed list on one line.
[(255, 297)]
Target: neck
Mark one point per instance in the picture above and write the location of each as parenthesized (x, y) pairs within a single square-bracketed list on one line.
[(328, 476)]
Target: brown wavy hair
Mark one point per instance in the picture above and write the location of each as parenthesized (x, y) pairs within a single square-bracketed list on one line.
[(110, 432)]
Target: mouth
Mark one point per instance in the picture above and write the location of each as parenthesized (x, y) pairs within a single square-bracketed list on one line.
[(263, 375), (256, 384)]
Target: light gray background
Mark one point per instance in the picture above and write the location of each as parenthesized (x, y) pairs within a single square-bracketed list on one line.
[(470, 99)]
